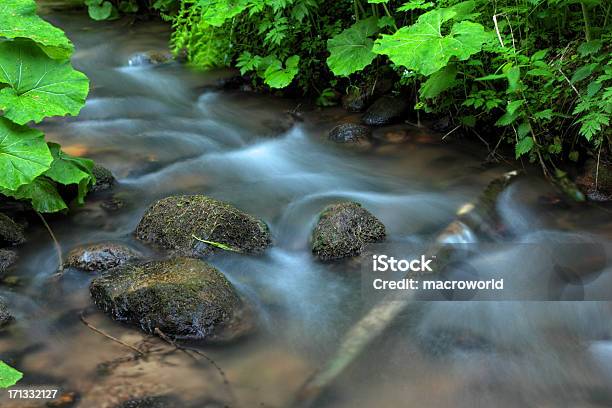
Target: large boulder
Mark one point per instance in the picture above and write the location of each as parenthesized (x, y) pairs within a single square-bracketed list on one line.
[(343, 229), (100, 257), (7, 259), (183, 297), (596, 180), (11, 233), (350, 133), (5, 315), (197, 225), (386, 110)]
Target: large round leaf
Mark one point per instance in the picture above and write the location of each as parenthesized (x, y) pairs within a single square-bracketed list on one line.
[(18, 19), (24, 155), (351, 50), (38, 86)]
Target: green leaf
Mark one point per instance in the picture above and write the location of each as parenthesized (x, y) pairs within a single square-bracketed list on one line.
[(276, 76), (99, 10), (67, 169), (589, 48), (8, 375), (351, 50), (523, 146), (18, 19), (41, 193), (38, 86), (514, 79), (24, 155), (424, 48), (377, 1), (128, 6), (216, 244), (583, 72), (439, 82), (416, 5)]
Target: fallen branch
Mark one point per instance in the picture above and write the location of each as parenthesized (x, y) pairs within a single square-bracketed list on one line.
[(108, 336), (58, 247), (474, 215)]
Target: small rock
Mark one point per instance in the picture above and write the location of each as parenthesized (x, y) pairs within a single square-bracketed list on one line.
[(343, 229), (185, 298), (104, 179), (183, 223), (349, 133), (7, 259), (100, 257), (5, 315), (65, 400), (596, 181), (11, 233), (112, 204), (151, 402), (150, 58), (355, 100), (385, 110)]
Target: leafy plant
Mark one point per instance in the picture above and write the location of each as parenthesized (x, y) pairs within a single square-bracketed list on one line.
[(8, 375), (37, 81)]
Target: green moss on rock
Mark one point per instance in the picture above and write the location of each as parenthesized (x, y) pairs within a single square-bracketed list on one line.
[(183, 297), (7, 259), (11, 233), (104, 178), (343, 229), (183, 223)]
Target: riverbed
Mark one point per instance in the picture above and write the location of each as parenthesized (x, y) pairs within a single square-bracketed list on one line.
[(166, 129)]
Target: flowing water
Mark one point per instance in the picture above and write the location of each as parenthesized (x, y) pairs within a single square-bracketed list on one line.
[(164, 130)]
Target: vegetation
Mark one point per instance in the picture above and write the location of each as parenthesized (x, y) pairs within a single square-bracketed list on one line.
[(538, 69), (37, 81)]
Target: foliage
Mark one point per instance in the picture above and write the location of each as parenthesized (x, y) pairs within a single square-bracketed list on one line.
[(8, 375), (539, 70), (37, 81)]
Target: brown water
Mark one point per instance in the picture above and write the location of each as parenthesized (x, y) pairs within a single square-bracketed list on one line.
[(161, 130)]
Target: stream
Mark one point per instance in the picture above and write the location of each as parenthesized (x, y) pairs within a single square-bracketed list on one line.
[(164, 129)]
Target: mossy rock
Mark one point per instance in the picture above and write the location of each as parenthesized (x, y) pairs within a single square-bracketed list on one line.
[(386, 110), (343, 229), (100, 257), (11, 233), (350, 133), (104, 179), (7, 259), (183, 297), (596, 181), (182, 224), (5, 315)]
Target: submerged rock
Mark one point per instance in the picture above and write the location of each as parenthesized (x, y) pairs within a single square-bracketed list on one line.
[(385, 110), (150, 58), (5, 315), (100, 257), (596, 181), (343, 229), (183, 297), (151, 402), (104, 179), (183, 224), (350, 133), (7, 259), (11, 233)]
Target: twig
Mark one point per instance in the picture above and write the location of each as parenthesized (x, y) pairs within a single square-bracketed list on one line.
[(58, 247), (108, 336), (187, 351), (451, 131)]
